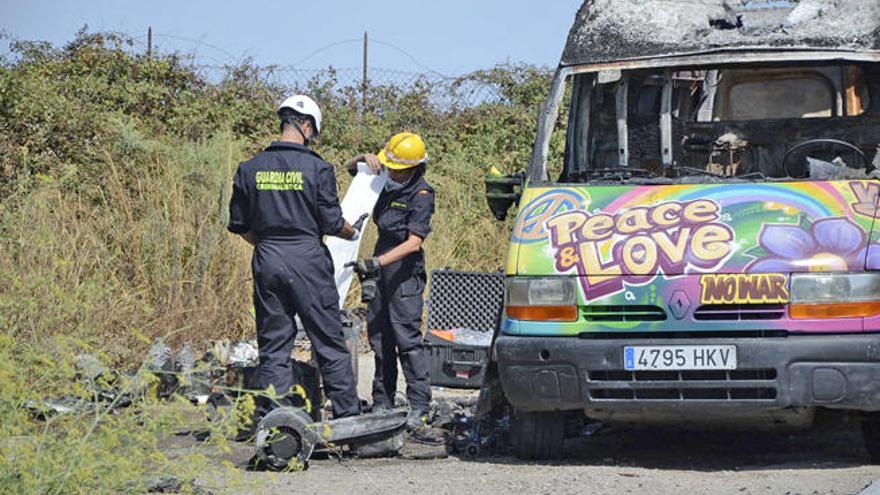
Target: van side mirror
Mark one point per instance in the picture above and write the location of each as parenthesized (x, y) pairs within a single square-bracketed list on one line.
[(502, 191)]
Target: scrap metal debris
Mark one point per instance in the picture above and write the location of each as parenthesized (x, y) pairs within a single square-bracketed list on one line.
[(160, 362), (288, 434), (241, 354), (808, 10), (175, 373), (170, 484), (226, 372), (101, 386), (837, 169), (612, 30)]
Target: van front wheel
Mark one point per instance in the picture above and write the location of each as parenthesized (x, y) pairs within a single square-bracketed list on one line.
[(538, 435)]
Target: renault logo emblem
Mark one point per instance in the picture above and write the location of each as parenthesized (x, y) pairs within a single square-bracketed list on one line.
[(679, 304)]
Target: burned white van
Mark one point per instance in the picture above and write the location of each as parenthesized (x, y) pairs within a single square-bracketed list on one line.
[(709, 247)]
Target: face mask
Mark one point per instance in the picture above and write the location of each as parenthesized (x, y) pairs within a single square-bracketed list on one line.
[(306, 140), (393, 186)]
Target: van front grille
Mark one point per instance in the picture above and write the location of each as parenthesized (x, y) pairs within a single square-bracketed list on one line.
[(761, 374), (714, 385), (623, 313), (739, 312), (693, 394)]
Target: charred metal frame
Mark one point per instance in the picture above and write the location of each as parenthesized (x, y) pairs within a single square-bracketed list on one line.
[(537, 170), (621, 105), (721, 57), (666, 121)]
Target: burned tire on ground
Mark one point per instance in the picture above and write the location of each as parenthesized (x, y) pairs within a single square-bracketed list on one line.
[(871, 436), (283, 437), (282, 446), (538, 435)]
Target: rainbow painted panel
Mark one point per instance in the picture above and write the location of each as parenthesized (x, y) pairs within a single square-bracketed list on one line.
[(721, 244)]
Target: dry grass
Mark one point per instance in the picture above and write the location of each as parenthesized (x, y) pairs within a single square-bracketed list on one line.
[(147, 254), (144, 254)]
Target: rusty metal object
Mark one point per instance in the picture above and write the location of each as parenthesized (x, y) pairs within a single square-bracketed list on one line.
[(611, 39), (611, 31), (288, 434)]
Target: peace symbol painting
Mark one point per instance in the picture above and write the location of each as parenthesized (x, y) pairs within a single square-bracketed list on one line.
[(693, 245)]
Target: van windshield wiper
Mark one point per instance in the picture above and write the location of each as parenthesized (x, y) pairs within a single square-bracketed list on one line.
[(682, 171), (641, 175), (617, 173)]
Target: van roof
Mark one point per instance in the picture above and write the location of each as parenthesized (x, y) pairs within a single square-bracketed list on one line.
[(613, 30)]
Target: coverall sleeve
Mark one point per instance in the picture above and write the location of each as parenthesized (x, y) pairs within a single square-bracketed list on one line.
[(329, 211), (239, 207), (419, 220)]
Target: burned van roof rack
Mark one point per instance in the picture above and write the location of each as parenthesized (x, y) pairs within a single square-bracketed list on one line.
[(607, 31)]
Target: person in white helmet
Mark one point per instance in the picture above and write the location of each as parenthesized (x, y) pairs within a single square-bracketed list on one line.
[(284, 201)]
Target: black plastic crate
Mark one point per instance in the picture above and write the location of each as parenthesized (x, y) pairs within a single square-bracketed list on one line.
[(455, 365), (471, 300)]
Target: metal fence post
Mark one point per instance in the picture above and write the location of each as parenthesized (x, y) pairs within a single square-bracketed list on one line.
[(364, 80)]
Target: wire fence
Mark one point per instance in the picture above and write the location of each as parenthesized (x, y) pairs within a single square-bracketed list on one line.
[(215, 63), (459, 91)]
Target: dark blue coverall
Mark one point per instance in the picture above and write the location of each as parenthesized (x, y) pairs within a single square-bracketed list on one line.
[(287, 197), (394, 321)]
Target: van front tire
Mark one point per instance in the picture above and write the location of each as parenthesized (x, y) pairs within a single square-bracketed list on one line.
[(539, 435)]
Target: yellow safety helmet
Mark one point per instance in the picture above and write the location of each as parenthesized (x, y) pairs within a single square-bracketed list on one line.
[(404, 150)]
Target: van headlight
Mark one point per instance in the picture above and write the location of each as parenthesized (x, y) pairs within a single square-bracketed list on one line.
[(835, 295), (542, 298)]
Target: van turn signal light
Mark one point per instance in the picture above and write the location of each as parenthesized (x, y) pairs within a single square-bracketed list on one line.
[(543, 313), (835, 310)]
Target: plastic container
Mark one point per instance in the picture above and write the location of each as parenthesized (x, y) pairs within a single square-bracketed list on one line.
[(464, 309), (456, 365)]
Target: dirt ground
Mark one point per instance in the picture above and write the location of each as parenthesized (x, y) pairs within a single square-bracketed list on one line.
[(830, 459)]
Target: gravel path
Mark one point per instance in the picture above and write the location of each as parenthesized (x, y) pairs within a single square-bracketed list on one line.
[(623, 461), (830, 459)]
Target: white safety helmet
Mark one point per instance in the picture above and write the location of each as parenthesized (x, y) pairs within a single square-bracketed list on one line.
[(304, 105)]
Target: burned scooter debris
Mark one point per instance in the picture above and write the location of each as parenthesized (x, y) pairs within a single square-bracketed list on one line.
[(288, 434)]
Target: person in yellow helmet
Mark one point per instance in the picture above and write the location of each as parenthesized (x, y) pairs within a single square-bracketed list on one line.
[(394, 321)]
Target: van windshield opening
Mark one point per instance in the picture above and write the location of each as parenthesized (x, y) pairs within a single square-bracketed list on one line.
[(725, 124)]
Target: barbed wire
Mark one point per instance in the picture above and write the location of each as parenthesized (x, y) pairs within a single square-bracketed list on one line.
[(443, 90), (440, 89), (453, 89)]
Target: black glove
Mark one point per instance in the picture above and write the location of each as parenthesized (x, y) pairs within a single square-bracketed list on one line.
[(359, 224), (368, 273), (366, 268), (369, 287)]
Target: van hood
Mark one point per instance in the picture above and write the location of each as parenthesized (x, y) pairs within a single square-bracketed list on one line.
[(613, 30), (615, 237)]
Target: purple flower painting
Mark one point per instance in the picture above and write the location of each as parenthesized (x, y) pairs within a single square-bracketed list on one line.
[(830, 244)]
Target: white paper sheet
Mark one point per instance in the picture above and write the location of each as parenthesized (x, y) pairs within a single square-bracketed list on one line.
[(359, 199)]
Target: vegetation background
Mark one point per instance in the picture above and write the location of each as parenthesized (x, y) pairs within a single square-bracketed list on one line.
[(115, 177)]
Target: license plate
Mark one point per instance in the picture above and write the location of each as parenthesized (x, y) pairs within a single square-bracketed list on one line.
[(680, 357)]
